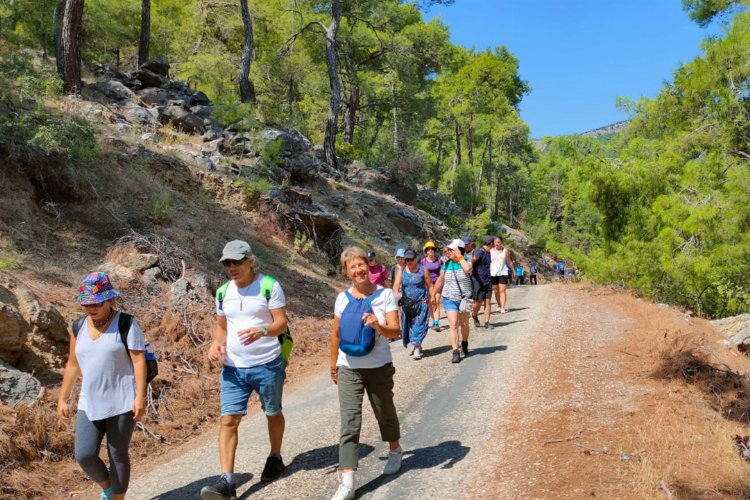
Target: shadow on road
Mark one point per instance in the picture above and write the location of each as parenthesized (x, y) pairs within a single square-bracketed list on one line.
[(444, 456), (506, 323), (193, 490), (481, 351), (515, 309), (435, 351), (319, 458)]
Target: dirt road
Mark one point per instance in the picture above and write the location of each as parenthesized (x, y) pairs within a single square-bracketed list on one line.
[(447, 413)]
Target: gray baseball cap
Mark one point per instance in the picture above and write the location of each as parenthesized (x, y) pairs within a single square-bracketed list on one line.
[(236, 250)]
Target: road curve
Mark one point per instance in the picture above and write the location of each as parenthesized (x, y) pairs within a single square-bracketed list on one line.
[(447, 414)]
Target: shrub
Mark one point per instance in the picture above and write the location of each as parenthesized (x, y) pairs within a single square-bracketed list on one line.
[(161, 208), (254, 185)]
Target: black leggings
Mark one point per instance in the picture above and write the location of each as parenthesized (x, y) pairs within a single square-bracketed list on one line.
[(89, 435)]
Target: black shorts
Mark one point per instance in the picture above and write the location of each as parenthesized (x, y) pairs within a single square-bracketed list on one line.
[(481, 292), (500, 280)]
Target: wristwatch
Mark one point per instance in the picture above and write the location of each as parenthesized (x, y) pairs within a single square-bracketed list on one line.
[(265, 330)]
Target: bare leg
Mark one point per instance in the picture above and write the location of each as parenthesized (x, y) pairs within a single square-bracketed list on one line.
[(276, 426), (453, 325), (463, 324), (228, 441)]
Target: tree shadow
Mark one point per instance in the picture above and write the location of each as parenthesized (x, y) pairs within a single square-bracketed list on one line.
[(319, 458), (482, 351), (193, 490), (515, 309), (444, 455)]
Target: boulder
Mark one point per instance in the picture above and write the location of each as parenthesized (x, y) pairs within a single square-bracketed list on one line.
[(201, 110), (13, 332), (138, 115), (159, 66), (406, 221), (107, 91), (290, 142), (403, 190), (199, 99), (302, 169), (736, 328), (110, 72), (206, 163), (183, 119), (16, 385), (154, 96), (139, 262), (148, 78)]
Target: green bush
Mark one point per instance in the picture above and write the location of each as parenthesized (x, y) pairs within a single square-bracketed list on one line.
[(254, 185), (161, 208)]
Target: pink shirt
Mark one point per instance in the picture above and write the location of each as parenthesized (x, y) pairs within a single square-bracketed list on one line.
[(378, 274)]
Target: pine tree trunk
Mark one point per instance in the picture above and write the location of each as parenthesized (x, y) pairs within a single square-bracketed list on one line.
[(436, 176), (57, 26), (394, 113), (145, 41), (329, 143), (378, 125), (489, 179), (470, 142), (71, 38), (458, 143), (350, 115), (247, 91)]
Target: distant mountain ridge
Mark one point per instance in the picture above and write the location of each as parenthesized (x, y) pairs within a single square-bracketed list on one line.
[(606, 130)]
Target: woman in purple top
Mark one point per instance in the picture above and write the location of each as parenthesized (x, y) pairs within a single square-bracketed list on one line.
[(431, 262)]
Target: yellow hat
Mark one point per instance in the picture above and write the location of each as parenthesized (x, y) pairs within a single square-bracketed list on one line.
[(429, 244)]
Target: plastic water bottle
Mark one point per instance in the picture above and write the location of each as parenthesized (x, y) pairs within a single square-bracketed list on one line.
[(150, 355)]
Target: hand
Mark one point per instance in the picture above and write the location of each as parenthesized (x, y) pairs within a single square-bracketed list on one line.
[(139, 408), (216, 353), (250, 335), (371, 320), (63, 410), (335, 375)]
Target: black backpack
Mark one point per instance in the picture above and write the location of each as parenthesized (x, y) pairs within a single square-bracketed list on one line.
[(123, 326)]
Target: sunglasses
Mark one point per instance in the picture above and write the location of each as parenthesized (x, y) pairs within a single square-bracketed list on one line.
[(95, 305), (409, 260), (232, 263)]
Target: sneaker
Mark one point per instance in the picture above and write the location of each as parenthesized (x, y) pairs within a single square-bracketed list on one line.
[(502, 310), (273, 469), (465, 347), (437, 327), (486, 324), (343, 493), (220, 490), (393, 465), (456, 356), (476, 320), (417, 353), (107, 495)]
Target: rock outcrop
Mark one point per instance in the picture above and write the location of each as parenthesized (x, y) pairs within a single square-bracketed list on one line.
[(736, 328)]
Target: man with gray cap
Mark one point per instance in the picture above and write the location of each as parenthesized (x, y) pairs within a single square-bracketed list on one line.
[(251, 315)]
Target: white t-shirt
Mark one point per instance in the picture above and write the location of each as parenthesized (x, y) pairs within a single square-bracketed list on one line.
[(246, 308), (498, 265), (381, 352)]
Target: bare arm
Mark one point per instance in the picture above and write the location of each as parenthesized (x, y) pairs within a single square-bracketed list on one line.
[(509, 259), (335, 350), (70, 375), (219, 341), (397, 280), (440, 282), (139, 369), (391, 329)]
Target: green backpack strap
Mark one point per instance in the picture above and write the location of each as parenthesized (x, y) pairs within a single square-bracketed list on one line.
[(221, 292), (285, 339)]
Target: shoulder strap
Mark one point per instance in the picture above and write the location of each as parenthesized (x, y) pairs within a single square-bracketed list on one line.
[(221, 292), (349, 295), (123, 326), (374, 296), (266, 286), (77, 325)]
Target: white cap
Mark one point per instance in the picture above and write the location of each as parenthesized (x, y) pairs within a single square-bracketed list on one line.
[(456, 244)]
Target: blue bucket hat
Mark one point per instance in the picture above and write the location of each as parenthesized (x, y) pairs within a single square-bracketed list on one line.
[(96, 288)]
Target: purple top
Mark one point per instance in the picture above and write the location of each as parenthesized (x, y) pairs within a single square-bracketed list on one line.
[(433, 268)]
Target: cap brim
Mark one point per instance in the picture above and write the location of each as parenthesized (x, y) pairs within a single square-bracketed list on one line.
[(233, 256)]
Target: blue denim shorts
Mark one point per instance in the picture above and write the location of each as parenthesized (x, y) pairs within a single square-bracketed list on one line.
[(237, 384), (451, 305)]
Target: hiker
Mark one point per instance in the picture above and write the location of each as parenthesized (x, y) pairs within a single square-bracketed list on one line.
[(468, 247), (481, 280), (377, 272), (455, 285), (249, 320), (415, 287), (363, 312), (519, 274), (398, 265), (432, 262), (560, 269), (532, 273), (500, 269), (113, 384)]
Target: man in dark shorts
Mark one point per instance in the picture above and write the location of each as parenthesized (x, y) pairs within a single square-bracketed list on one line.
[(481, 280)]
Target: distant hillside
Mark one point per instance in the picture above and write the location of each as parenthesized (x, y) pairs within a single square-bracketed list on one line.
[(606, 130)]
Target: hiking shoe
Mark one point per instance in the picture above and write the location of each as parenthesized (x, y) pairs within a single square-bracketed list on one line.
[(465, 347), (456, 356), (393, 465), (107, 495), (417, 353), (343, 493), (220, 490), (476, 320), (273, 469), (486, 324)]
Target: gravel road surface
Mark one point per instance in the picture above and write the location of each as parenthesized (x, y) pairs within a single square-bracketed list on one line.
[(447, 414)]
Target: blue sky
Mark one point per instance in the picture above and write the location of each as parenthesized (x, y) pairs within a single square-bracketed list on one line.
[(579, 55)]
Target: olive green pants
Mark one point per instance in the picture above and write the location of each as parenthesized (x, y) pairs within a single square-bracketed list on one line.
[(352, 384)]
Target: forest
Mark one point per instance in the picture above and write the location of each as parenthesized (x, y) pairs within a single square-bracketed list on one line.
[(660, 207)]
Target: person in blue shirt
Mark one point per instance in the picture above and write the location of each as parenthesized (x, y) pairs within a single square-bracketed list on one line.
[(532, 273), (519, 274)]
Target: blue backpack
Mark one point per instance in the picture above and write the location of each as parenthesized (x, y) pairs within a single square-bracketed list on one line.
[(355, 338)]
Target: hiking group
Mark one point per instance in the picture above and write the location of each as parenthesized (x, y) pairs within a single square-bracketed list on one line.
[(252, 344)]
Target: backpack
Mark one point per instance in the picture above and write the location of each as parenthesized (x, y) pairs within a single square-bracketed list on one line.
[(532, 269), (123, 326), (355, 338), (266, 287)]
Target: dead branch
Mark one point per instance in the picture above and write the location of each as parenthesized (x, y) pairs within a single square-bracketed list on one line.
[(577, 435), (593, 450), (151, 434), (665, 488), (286, 47), (629, 353)]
